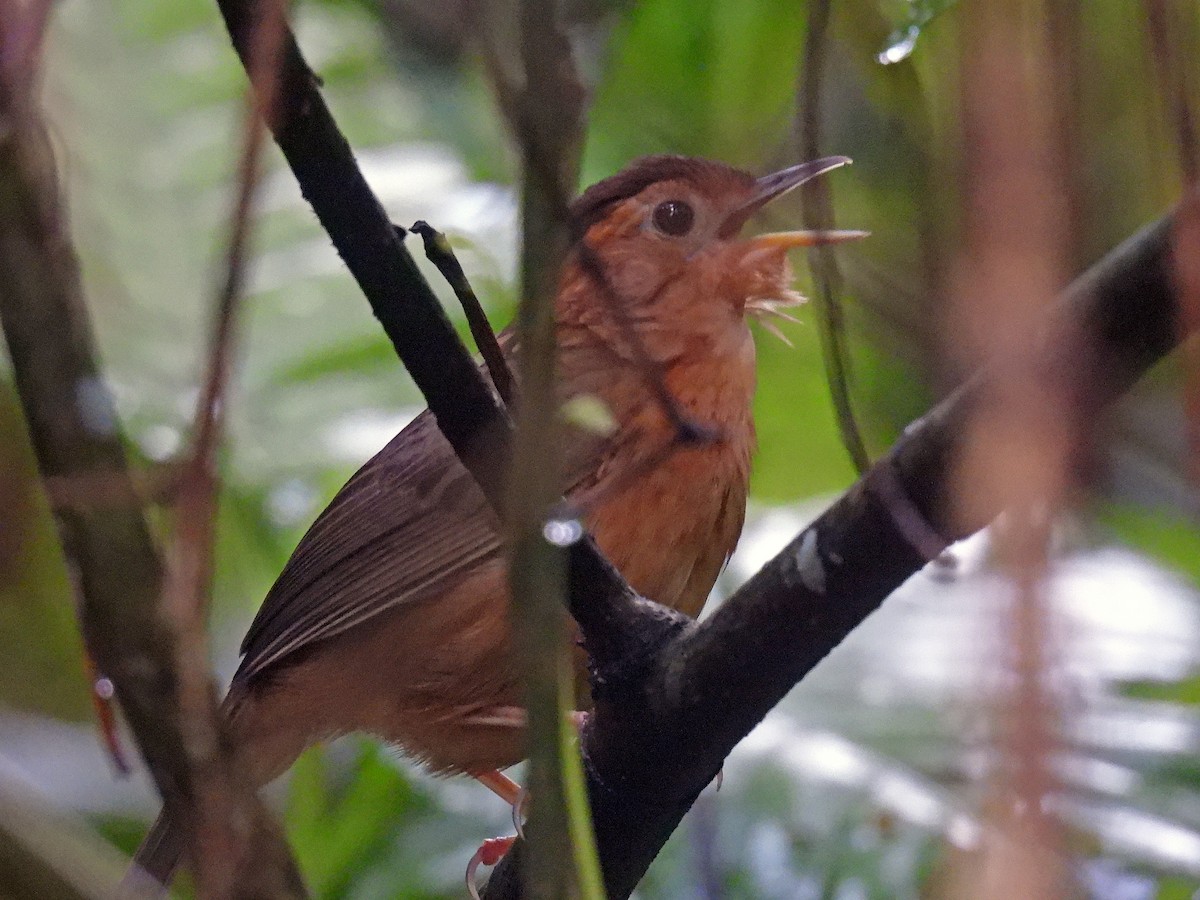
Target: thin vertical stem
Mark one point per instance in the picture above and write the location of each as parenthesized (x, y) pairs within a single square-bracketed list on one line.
[(1017, 451), (224, 817), (818, 215), (548, 128)]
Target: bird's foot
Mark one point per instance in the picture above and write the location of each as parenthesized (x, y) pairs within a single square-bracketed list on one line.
[(492, 850), (489, 853)]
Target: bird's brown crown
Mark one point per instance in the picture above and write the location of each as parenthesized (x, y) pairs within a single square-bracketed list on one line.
[(594, 203)]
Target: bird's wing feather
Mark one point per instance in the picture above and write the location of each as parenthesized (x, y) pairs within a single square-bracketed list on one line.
[(407, 525)]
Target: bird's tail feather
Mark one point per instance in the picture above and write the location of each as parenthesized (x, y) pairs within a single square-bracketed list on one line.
[(156, 860)]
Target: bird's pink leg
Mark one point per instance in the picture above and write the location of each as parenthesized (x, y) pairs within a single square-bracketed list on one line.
[(492, 850), (502, 786)]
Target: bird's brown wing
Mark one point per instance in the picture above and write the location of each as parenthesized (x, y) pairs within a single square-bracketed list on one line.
[(407, 525)]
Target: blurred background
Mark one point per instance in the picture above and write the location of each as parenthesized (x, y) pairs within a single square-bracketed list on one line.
[(869, 780)]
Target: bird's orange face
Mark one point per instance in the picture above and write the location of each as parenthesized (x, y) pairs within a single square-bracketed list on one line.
[(674, 246)]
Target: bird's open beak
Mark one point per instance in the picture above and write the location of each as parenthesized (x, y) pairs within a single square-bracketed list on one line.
[(775, 185)]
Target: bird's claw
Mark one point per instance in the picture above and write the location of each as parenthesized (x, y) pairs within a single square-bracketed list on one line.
[(518, 812), (489, 853)]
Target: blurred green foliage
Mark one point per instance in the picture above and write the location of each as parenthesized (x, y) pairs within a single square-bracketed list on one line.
[(39, 635)]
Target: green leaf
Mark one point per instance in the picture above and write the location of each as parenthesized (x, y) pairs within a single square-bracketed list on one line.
[(39, 636), (800, 451), (1161, 533), (697, 78), (337, 829), (1186, 691)]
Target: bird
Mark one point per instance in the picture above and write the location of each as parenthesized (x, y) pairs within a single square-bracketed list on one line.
[(391, 617)]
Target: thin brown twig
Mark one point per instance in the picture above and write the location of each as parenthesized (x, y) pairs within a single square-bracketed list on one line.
[(224, 819), (106, 715), (441, 254), (22, 41), (689, 431), (584, 501)]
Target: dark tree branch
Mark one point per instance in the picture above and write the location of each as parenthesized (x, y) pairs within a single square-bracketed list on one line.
[(75, 434), (659, 735)]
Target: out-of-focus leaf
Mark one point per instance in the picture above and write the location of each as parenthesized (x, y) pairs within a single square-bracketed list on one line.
[(39, 636), (363, 354), (1177, 888), (698, 77), (337, 828), (1162, 534), (1186, 691), (799, 451)]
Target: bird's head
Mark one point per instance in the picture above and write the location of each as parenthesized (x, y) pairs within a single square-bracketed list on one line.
[(667, 233)]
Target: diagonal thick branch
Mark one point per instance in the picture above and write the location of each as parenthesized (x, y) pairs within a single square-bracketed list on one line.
[(657, 740)]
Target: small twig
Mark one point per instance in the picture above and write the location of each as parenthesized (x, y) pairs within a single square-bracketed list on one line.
[(23, 39), (85, 492), (441, 254), (817, 206), (584, 501), (106, 716)]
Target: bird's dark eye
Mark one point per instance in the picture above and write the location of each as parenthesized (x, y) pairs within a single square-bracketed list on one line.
[(674, 217)]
